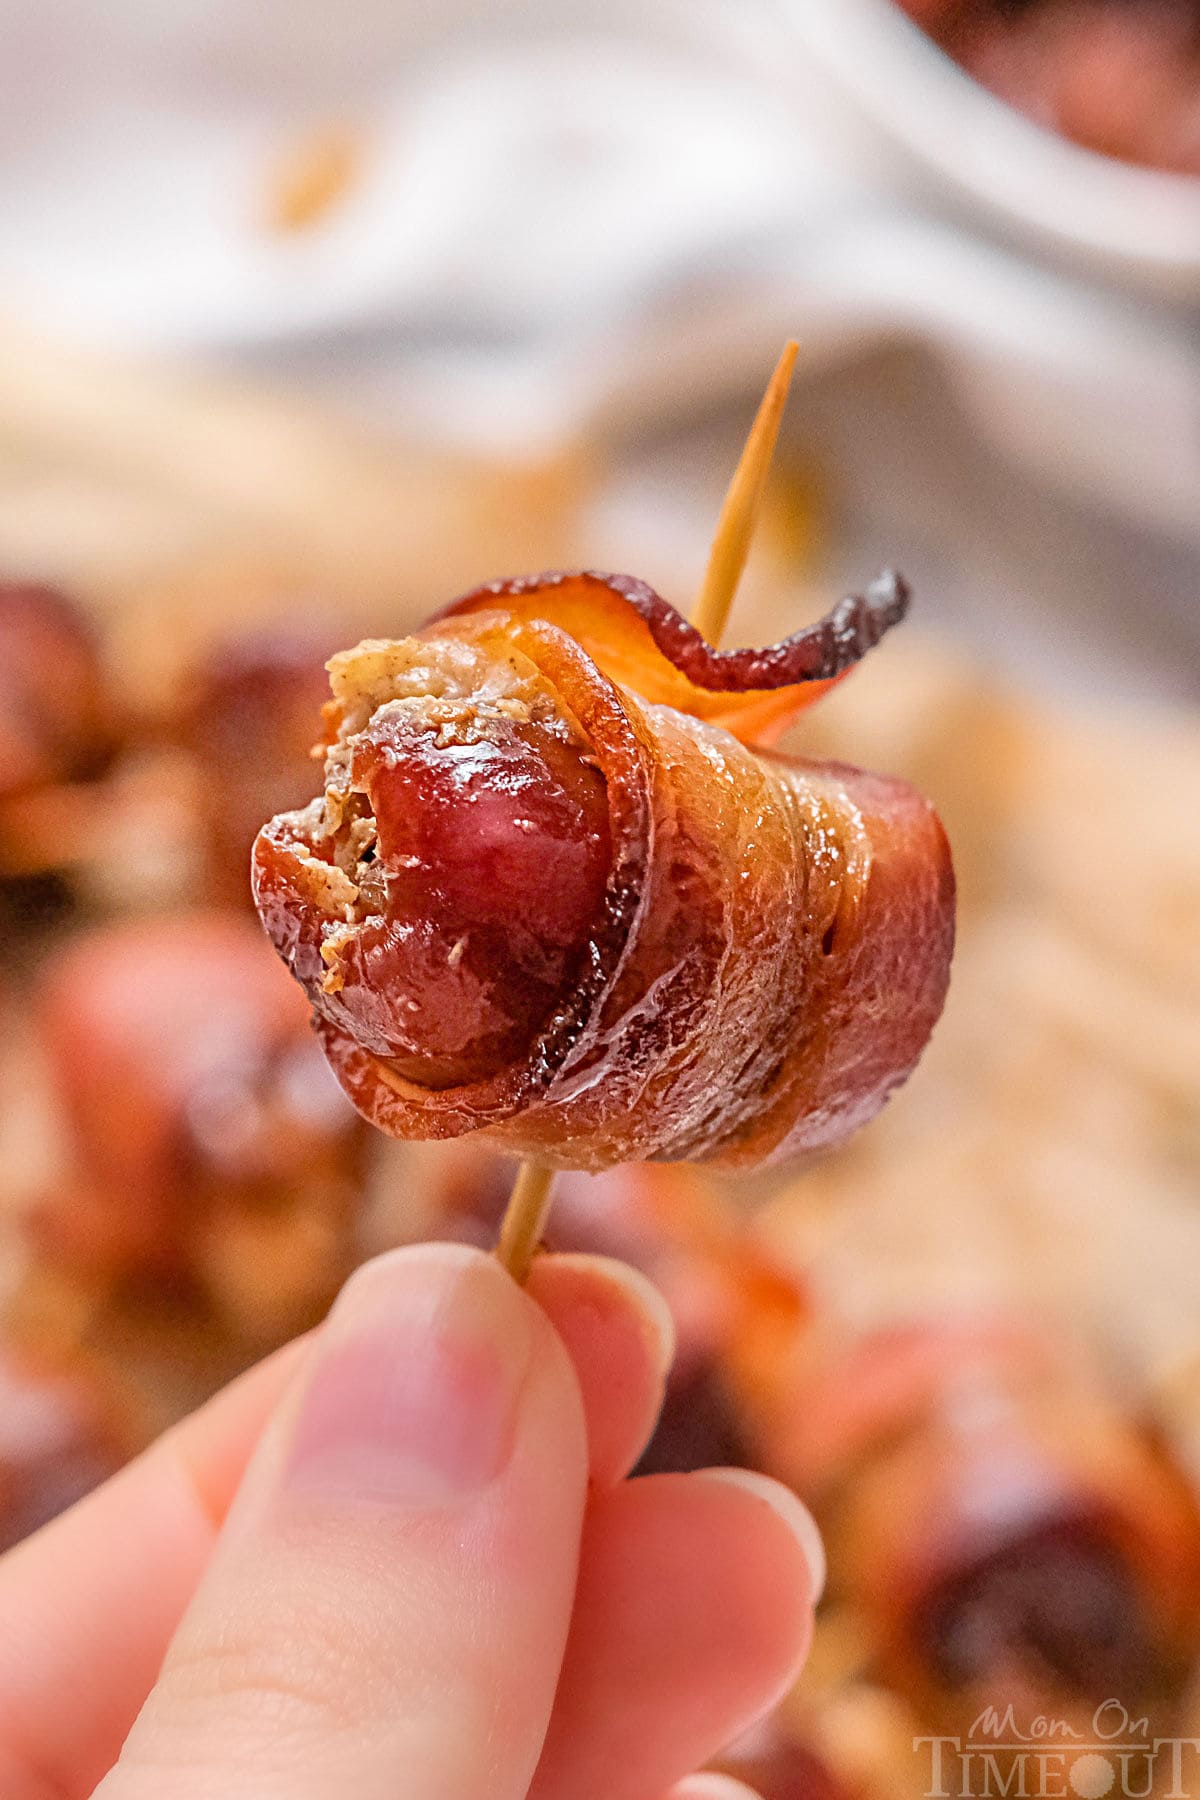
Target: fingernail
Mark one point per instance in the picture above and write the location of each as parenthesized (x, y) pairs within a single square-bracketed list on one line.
[(790, 1508), (415, 1395), (642, 1298)]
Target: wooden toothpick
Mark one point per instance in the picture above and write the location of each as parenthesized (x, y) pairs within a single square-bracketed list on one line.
[(529, 1203), (739, 514), (525, 1217)]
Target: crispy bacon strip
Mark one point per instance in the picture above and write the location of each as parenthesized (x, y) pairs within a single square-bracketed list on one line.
[(762, 965), (639, 640)]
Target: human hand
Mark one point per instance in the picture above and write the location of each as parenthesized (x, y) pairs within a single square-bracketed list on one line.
[(401, 1558)]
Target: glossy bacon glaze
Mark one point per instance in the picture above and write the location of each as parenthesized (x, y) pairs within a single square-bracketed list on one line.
[(773, 945)]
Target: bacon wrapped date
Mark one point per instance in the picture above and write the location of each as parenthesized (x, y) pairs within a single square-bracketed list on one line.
[(556, 891)]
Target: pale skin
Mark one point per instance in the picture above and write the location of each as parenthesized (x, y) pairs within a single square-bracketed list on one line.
[(403, 1556)]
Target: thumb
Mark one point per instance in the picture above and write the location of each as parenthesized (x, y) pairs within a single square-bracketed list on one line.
[(388, 1603)]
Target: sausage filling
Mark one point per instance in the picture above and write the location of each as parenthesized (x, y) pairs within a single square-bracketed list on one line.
[(465, 834)]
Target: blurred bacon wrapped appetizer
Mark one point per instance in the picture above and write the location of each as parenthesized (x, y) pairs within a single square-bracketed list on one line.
[(245, 717), (210, 1149), (1121, 77), (56, 721), (58, 732), (999, 1520)]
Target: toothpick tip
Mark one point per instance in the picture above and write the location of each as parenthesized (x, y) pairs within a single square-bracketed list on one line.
[(735, 527)]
